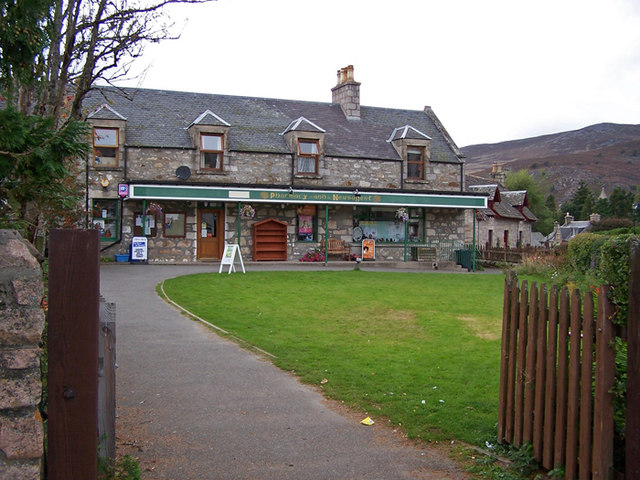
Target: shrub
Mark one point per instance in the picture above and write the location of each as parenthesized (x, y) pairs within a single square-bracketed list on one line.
[(610, 224), (614, 269), (583, 252)]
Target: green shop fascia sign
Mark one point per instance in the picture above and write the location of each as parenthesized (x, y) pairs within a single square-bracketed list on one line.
[(220, 194)]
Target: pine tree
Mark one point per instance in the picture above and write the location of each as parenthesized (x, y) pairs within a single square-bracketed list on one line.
[(621, 202), (576, 206)]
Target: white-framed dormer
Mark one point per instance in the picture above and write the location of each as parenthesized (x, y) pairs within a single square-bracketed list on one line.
[(305, 139), (210, 135), (414, 147), (107, 138)]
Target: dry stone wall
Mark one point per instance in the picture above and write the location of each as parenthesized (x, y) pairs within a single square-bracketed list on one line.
[(21, 325)]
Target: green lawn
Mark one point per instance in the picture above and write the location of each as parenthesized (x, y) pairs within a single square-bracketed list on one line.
[(417, 350)]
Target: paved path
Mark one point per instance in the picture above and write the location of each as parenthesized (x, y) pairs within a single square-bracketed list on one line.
[(195, 406)]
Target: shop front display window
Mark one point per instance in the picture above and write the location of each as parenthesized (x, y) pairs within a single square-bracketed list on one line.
[(175, 224), (150, 223), (307, 223), (382, 225), (105, 218)]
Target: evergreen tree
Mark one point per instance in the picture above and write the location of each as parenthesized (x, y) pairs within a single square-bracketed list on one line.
[(576, 206), (587, 207), (551, 204), (621, 202), (603, 207), (51, 54)]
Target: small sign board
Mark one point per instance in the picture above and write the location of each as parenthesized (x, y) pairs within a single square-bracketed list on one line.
[(139, 249), (231, 252), (368, 249), (123, 190)]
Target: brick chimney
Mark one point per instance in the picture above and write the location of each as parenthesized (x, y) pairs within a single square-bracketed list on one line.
[(498, 174), (568, 218), (347, 93)]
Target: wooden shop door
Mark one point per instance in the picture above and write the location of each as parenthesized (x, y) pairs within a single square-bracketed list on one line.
[(210, 233)]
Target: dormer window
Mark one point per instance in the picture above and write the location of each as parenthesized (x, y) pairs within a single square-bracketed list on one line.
[(413, 147), (211, 150), (415, 163), (305, 140), (105, 147), (308, 153)]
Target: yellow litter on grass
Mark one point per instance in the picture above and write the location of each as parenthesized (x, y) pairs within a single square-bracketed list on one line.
[(367, 421)]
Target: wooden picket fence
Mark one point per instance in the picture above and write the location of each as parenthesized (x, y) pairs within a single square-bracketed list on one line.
[(556, 376)]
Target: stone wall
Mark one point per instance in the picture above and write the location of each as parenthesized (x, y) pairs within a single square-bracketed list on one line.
[(21, 325), (498, 226), (254, 169)]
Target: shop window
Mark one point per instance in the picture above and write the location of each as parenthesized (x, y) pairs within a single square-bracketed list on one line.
[(381, 224), (105, 218), (150, 222), (105, 147), (308, 153), (307, 223), (416, 225), (211, 151), (415, 163), (175, 224)]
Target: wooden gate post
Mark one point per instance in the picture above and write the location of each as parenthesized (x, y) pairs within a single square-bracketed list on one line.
[(74, 288), (107, 380), (632, 468)]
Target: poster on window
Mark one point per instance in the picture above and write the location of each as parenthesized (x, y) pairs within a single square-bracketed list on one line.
[(368, 249), (305, 223)]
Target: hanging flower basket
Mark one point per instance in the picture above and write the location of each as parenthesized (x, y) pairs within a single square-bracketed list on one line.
[(247, 211), (153, 209), (402, 215)]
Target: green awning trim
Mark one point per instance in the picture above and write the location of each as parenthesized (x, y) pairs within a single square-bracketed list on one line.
[(254, 195)]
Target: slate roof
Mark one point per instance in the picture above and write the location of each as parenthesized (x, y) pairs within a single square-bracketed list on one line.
[(407, 132), (303, 125), (500, 201), (105, 112), (567, 232), (507, 211), (159, 118), (514, 197), (209, 118), (529, 214)]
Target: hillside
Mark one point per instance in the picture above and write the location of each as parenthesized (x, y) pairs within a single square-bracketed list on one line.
[(603, 155)]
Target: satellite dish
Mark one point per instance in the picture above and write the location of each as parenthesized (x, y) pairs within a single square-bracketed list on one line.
[(183, 172)]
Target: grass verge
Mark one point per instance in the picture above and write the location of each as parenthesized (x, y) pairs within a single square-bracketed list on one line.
[(420, 350)]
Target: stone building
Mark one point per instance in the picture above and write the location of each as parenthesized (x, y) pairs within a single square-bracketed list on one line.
[(506, 221), (192, 172)]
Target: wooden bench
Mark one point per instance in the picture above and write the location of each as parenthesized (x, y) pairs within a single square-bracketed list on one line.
[(336, 247)]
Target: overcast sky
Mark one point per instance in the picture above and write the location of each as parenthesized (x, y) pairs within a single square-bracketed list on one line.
[(492, 70)]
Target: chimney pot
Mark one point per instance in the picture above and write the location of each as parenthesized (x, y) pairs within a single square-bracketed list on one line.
[(347, 93)]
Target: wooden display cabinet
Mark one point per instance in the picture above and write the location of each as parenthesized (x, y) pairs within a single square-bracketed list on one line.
[(270, 240)]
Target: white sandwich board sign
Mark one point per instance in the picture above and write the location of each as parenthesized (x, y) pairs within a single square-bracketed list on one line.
[(231, 252)]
